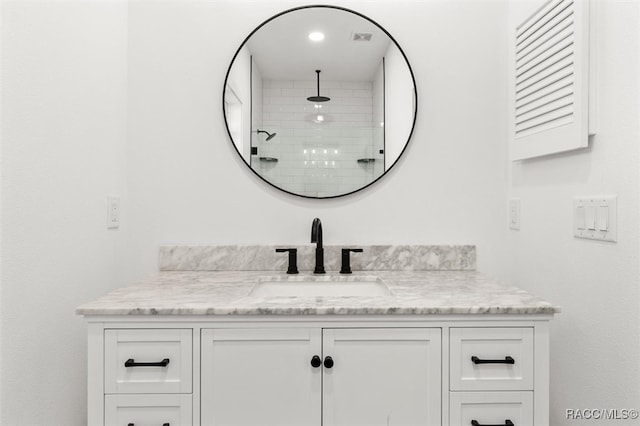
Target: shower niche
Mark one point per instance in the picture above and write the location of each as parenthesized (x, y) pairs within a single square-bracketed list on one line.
[(320, 101)]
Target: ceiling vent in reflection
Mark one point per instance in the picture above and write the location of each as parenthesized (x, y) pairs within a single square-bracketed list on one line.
[(361, 36)]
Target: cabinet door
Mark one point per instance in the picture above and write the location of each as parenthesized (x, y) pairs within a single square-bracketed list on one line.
[(382, 377), (260, 377)]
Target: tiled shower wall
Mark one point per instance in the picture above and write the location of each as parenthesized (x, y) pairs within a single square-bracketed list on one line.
[(318, 157)]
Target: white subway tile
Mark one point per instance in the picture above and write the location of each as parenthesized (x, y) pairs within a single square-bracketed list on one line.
[(304, 84), (365, 85), (280, 84), (299, 93), (280, 100), (363, 94), (340, 93)]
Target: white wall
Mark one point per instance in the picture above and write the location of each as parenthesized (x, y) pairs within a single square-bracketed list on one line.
[(63, 134), (1, 191), (595, 341), (187, 184)]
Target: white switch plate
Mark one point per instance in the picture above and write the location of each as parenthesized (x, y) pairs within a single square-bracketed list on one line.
[(514, 214), (595, 217), (113, 212)]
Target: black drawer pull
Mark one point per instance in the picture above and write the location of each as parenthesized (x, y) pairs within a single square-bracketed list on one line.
[(506, 423), (163, 424), (328, 362), (506, 360), (316, 361), (131, 363)]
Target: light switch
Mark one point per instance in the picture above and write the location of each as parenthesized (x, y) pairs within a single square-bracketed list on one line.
[(594, 217), (603, 218), (590, 217), (580, 218)]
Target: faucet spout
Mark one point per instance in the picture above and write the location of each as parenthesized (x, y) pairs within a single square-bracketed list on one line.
[(316, 237)]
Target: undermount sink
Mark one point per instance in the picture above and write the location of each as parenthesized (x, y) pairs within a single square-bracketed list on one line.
[(322, 287)]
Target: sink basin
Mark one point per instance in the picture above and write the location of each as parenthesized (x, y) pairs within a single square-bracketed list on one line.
[(322, 287)]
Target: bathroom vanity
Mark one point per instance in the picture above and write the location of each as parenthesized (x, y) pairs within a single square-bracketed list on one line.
[(421, 344)]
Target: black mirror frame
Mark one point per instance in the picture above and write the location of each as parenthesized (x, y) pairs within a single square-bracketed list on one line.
[(415, 97)]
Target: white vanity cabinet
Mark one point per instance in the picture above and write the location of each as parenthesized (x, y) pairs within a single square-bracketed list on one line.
[(319, 370), (316, 376)]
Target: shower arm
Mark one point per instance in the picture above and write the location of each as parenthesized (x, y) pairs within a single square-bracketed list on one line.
[(318, 81)]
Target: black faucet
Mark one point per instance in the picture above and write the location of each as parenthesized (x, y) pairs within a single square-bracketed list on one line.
[(316, 237)]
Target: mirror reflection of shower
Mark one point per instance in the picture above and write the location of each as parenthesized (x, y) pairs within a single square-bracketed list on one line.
[(341, 102), (269, 135)]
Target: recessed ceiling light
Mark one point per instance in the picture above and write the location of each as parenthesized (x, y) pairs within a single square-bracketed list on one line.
[(316, 36)]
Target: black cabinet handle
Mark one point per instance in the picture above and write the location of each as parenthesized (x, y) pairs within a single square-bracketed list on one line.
[(328, 362), (131, 363), (506, 360), (163, 424), (316, 361), (506, 423)]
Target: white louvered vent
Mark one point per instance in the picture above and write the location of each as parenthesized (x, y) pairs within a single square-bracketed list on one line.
[(551, 80)]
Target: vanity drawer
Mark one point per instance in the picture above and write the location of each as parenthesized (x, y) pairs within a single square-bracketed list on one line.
[(147, 360), (142, 410), (491, 358), (491, 408)]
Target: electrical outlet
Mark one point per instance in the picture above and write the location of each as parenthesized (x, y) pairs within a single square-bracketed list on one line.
[(514, 214), (113, 212)]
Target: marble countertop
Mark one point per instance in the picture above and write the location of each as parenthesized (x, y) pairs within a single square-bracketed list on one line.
[(228, 293)]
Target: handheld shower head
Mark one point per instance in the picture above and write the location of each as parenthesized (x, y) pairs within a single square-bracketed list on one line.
[(269, 135)]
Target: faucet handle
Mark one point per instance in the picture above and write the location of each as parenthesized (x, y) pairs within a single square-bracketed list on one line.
[(346, 260), (293, 259)]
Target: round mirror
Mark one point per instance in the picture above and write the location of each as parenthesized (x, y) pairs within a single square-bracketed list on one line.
[(320, 101)]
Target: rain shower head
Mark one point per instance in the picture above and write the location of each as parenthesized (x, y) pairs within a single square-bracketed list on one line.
[(318, 98), (269, 135)]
